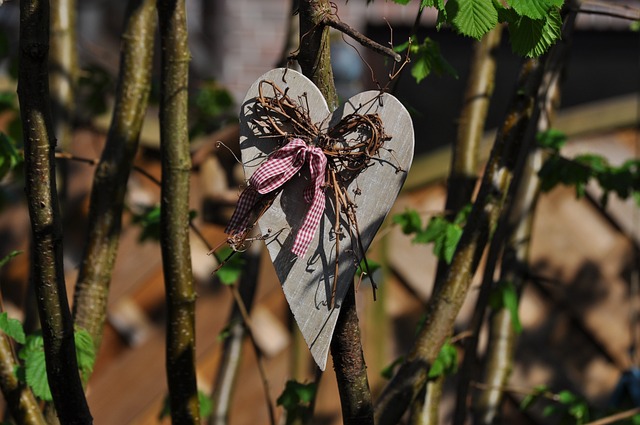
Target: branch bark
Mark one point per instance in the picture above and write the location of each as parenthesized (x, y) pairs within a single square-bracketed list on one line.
[(315, 56), (46, 248), (112, 173), (346, 346), (444, 306), (232, 350), (462, 177), (174, 216)]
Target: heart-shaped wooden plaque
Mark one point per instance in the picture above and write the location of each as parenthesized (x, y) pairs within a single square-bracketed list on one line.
[(308, 282)]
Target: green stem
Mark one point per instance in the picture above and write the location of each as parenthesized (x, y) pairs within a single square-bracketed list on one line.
[(46, 249), (112, 173), (174, 217)]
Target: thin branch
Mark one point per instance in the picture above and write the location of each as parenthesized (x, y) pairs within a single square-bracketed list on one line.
[(595, 7), (334, 22), (239, 327), (616, 417), (174, 214), (47, 269)]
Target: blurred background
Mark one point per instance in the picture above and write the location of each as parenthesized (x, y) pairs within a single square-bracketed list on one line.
[(579, 318)]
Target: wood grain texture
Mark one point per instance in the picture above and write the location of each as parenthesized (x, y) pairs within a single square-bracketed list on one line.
[(307, 282)]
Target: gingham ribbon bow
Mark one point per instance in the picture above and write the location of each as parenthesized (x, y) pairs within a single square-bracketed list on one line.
[(279, 168)]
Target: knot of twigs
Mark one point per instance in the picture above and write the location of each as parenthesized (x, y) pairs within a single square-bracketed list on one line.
[(349, 145)]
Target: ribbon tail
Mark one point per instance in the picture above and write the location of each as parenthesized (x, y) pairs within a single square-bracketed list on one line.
[(240, 218), (308, 229), (317, 165)]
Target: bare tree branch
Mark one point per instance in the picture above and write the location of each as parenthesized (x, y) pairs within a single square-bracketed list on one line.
[(333, 22), (112, 173), (174, 213), (46, 249)]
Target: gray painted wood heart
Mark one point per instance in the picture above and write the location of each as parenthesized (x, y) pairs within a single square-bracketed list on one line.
[(308, 281)]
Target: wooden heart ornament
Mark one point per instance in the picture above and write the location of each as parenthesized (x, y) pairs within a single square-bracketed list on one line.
[(320, 185)]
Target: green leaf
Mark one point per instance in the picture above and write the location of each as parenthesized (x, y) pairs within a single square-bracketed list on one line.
[(8, 101), (85, 352), (530, 398), (409, 221), (403, 2), (567, 397), (533, 37), (10, 157), (451, 242), (12, 327), (204, 402), (231, 270), (444, 235), (551, 139), (149, 222), (34, 371), (635, 27), (446, 363), (368, 268), (225, 332), (472, 18), (8, 257), (388, 371), (549, 410), (296, 394), (206, 406), (35, 368), (505, 295), (426, 58), (534, 9)]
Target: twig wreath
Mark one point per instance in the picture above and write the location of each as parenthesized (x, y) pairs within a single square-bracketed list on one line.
[(320, 184)]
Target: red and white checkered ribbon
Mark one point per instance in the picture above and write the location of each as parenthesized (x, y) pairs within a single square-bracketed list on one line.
[(279, 168)]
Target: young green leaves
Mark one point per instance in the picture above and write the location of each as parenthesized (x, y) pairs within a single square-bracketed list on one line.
[(426, 58), (297, 399), (534, 25), (34, 369), (444, 234), (623, 180)]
